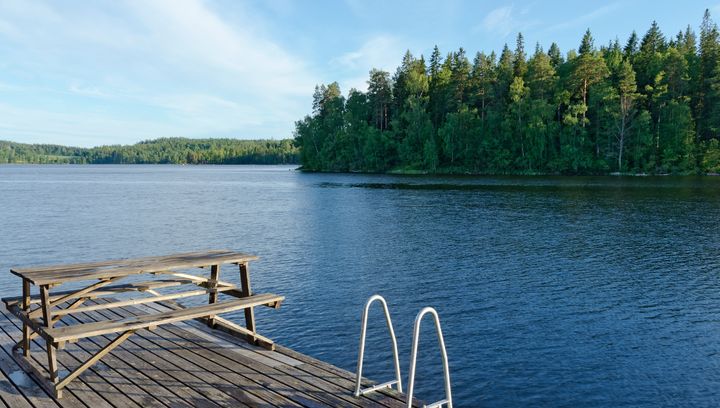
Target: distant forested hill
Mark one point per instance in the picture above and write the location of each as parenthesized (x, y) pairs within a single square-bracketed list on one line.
[(158, 151), (648, 105)]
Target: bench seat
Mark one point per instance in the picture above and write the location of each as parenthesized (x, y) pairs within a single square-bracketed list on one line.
[(107, 290), (79, 331)]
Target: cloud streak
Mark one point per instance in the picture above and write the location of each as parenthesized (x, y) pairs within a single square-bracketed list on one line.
[(381, 51), (585, 18), (503, 21), (177, 67)]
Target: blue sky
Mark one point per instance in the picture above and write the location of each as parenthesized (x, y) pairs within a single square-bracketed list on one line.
[(106, 72)]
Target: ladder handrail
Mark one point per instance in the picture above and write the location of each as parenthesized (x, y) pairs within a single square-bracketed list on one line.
[(361, 352), (413, 358)]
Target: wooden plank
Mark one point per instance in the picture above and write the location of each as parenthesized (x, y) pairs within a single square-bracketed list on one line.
[(137, 301), (93, 388), (55, 319), (85, 265), (280, 381), (33, 324), (196, 376), (246, 292), (37, 391), (198, 280), (10, 394), (29, 389), (73, 295), (382, 399), (313, 382), (126, 267), (49, 346), (141, 322), (282, 360), (237, 330), (257, 383), (85, 389), (108, 290), (124, 400), (212, 284), (109, 382), (340, 376), (152, 379), (277, 381), (92, 360), (26, 327)]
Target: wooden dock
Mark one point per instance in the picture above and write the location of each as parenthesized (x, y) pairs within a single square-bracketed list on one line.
[(178, 365)]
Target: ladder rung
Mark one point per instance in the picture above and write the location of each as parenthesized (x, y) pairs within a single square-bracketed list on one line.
[(388, 384), (437, 404)]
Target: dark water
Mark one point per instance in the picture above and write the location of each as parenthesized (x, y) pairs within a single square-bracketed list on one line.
[(552, 291)]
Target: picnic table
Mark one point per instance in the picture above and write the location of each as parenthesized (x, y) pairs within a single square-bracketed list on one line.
[(41, 311)]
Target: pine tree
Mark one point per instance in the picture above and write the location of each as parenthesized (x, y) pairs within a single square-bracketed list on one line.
[(520, 63), (555, 56), (627, 92), (631, 47)]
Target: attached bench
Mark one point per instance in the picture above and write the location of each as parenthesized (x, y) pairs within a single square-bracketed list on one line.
[(39, 313)]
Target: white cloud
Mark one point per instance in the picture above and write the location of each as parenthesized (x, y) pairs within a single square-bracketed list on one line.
[(505, 20), (77, 129), (195, 34), (499, 20), (382, 52), (585, 18), (198, 70)]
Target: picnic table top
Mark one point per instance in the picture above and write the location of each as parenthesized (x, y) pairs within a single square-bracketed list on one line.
[(54, 274)]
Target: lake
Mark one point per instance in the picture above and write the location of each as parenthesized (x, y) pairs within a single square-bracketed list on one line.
[(552, 291)]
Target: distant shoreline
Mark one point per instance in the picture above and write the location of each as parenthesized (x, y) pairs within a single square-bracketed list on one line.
[(389, 172), (158, 151)]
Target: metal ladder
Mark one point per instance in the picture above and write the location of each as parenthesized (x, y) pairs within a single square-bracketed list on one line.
[(446, 368), (361, 353), (447, 401)]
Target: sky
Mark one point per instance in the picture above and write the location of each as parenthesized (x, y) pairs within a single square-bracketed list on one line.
[(120, 71)]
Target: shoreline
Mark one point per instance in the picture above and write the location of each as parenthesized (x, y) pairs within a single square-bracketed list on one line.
[(395, 172)]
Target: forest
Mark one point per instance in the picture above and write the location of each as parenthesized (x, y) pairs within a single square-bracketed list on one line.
[(158, 151), (649, 105)]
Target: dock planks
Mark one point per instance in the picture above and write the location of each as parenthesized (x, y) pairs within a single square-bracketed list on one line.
[(179, 365)]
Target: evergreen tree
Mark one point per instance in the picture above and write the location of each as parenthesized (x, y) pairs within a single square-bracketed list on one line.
[(650, 106)]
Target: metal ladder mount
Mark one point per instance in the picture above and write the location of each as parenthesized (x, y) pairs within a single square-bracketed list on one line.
[(447, 401), (361, 353)]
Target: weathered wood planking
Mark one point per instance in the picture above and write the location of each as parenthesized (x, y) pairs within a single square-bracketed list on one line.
[(59, 334), (54, 274), (319, 374), (182, 366), (105, 291)]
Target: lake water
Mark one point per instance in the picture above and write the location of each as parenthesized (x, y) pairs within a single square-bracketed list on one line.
[(552, 291)]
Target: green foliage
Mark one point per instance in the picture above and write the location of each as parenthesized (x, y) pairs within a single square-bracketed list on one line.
[(158, 151), (711, 160), (652, 106)]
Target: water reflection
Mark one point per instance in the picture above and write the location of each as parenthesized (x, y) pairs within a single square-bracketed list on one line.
[(553, 291)]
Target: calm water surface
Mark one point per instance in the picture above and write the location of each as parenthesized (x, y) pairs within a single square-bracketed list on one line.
[(552, 291)]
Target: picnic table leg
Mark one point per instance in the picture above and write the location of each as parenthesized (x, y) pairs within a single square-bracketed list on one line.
[(246, 291), (212, 287), (26, 328), (47, 317)]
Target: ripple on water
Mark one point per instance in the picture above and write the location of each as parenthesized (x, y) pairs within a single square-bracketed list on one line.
[(552, 291)]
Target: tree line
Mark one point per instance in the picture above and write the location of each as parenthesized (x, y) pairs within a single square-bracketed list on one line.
[(649, 105), (158, 151)]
